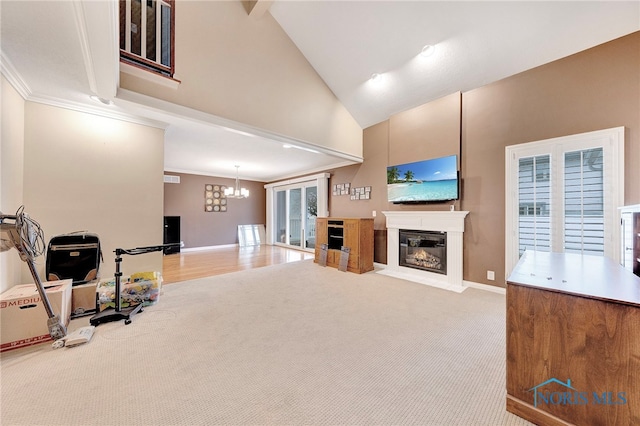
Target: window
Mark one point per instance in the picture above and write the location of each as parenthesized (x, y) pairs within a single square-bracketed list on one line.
[(147, 34), (534, 225), (584, 202), (562, 195)]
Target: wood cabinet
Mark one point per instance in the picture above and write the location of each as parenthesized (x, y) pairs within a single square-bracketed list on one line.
[(354, 233), (573, 340)]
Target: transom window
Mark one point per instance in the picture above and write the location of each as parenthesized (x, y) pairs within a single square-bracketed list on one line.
[(147, 34)]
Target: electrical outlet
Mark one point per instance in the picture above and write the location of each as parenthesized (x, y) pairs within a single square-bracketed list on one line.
[(373, 213), (491, 275)]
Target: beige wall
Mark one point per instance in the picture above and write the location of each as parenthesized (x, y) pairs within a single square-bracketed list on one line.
[(246, 69), (595, 89), (427, 131), (89, 173), (11, 173), (199, 228)]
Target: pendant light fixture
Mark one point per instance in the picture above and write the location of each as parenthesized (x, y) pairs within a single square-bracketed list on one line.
[(236, 192)]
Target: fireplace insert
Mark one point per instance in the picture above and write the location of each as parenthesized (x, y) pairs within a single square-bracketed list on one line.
[(425, 250)]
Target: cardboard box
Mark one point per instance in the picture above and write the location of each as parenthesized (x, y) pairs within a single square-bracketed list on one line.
[(83, 300), (23, 318)]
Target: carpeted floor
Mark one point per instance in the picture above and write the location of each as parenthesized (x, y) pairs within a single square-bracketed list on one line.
[(288, 344)]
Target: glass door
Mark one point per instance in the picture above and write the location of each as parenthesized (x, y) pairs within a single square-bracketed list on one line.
[(311, 212), (281, 218), (295, 216), (292, 209)]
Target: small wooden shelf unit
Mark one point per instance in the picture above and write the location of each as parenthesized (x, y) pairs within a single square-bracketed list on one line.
[(355, 233)]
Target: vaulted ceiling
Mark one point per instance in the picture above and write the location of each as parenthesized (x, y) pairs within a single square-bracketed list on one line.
[(46, 46)]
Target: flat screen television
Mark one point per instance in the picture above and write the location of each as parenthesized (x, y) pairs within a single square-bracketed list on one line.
[(427, 181)]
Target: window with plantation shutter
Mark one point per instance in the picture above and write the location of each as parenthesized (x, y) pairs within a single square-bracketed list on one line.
[(562, 195), (534, 204), (584, 202)]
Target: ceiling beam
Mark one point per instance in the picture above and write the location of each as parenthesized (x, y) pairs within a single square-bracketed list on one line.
[(97, 24)]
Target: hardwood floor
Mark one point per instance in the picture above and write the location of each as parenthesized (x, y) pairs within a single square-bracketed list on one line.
[(222, 260)]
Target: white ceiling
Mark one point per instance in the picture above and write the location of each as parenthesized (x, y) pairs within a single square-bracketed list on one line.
[(476, 42), (55, 52)]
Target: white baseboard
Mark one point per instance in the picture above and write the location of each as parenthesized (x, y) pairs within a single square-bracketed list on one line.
[(208, 247), (485, 287), (465, 283), (413, 278)]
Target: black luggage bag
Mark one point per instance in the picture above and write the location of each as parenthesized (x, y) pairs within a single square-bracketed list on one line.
[(76, 256)]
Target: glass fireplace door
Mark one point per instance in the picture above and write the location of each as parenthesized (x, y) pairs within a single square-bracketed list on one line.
[(425, 250)]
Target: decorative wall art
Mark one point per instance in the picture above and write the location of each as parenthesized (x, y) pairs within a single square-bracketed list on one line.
[(214, 198), (361, 193), (341, 189)]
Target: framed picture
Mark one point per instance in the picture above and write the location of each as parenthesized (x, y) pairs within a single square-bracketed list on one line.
[(214, 198), (361, 193)]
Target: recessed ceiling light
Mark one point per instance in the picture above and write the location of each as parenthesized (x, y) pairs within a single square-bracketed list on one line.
[(375, 77), (103, 101), (427, 50)]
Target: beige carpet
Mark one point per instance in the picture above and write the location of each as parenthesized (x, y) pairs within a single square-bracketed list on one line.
[(291, 344)]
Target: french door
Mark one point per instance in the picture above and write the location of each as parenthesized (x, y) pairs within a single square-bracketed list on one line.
[(562, 195), (292, 208), (296, 211)]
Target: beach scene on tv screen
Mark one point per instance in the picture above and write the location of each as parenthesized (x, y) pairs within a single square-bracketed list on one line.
[(430, 180)]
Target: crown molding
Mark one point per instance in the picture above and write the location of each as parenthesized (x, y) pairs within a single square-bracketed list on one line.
[(20, 85), (100, 111), (13, 76)]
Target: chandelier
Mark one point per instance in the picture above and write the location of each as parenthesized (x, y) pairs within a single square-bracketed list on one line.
[(236, 192)]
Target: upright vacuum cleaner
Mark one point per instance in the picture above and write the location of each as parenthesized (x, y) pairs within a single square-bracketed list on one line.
[(24, 234)]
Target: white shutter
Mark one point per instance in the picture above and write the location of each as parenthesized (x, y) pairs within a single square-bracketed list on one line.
[(562, 194), (534, 203), (584, 202)]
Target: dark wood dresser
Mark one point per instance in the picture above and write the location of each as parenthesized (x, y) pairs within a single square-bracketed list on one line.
[(573, 340)]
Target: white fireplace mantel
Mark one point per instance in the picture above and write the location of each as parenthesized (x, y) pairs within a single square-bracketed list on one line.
[(451, 222)]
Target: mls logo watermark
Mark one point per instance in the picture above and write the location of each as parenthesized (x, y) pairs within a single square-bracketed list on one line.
[(571, 396)]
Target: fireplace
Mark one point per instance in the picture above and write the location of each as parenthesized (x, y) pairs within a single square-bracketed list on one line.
[(425, 250), (428, 228)]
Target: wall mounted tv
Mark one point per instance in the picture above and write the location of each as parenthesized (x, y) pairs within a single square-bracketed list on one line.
[(425, 181)]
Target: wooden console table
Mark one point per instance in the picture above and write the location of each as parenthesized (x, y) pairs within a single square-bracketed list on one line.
[(573, 341)]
